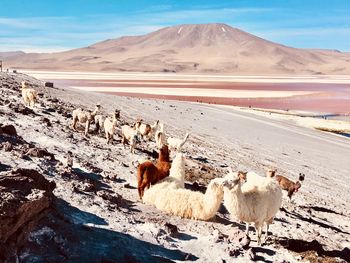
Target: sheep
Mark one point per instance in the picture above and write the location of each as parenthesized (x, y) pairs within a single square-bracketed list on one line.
[(252, 202), (146, 130), (129, 135), (160, 136), (186, 203), (148, 173), (30, 96), (110, 126), (176, 143), (285, 183), (84, 116)]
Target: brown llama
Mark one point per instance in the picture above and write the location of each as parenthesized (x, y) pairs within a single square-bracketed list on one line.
[(287, 184), (148, 173)]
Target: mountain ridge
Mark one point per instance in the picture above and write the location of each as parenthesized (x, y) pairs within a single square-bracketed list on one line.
[(202, 48)]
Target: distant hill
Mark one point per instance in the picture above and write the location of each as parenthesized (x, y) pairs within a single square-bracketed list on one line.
[(10, 54), (201, 48)]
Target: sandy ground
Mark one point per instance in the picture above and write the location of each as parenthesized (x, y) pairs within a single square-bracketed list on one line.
[(220, 137)]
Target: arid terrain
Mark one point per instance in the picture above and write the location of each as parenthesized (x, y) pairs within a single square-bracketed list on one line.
[(195, 48), (93, 213)]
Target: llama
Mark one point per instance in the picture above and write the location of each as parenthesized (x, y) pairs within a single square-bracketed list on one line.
[(148, 173), (146, 130), (129, 135), (30, 96), (99, 121), (175, 180), (160, 136), (110, 126), (285, 183), (186, 203), (176, 143), (84, 116), (252, 202)]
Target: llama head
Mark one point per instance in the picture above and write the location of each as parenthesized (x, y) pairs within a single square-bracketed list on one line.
[(242, 176), (117, 113), (297, 186)]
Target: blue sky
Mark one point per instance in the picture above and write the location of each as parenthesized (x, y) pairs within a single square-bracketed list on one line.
[(46, 26)]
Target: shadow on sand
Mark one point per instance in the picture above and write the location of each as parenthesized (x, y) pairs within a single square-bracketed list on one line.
[(72, 235)]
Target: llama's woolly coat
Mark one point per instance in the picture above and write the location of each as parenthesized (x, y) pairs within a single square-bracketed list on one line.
[(110, 127), (30, 96), (256, 201), (177, 170), (129, 135), (186, 203)]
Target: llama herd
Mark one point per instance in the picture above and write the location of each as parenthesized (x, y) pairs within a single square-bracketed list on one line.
[(248, 197)]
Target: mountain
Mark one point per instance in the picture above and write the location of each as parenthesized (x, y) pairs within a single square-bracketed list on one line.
[(11, 54), (202, 48)]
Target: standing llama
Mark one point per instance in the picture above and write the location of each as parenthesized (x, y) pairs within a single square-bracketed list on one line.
[(84, 117), (110, 126), (252, 202), (30, 96)]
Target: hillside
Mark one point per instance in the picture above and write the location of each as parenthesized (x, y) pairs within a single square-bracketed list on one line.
[(201, 48)]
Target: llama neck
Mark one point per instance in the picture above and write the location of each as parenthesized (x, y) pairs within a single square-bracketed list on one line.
[(212, 199), (94, 113), (235, 199), (163, 158)]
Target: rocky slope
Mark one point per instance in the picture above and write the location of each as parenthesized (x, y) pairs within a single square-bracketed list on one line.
[(96, 215), (201, 48)]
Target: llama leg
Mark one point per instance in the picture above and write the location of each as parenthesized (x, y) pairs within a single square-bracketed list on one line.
[(258, 230), (87, 126), (267, 231), (247, 229), (74, 124)]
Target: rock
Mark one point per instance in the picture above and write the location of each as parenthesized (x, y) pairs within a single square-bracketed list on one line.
[(20, 108), (7, 146), (112, 198), (239, 238), (171, 229), (233, 251), (25, 197), (40, 153), (46, 121), (8, 129)]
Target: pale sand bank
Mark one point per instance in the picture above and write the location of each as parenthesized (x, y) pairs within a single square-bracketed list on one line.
[(218, 93), (345, 79)]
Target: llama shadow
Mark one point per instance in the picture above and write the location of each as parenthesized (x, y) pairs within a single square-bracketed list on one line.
[(300, 246), (313, 221), (72, 240), (263, 251), (4, 167), (153, 154), (321, 209)]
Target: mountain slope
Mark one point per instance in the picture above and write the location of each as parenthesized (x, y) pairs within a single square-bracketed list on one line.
[(216, 48)]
